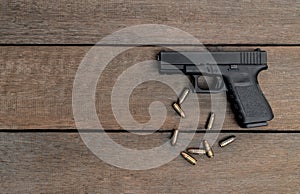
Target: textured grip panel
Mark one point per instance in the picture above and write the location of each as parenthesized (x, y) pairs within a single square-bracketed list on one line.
[(250, 106), (253, 102)]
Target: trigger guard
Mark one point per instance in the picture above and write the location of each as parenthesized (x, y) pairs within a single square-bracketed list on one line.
[(197, 89)]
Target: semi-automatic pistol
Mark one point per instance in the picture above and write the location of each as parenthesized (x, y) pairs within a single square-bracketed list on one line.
[(234, 72)]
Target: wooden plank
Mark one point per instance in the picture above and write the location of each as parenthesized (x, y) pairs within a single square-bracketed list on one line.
[(60, 162), (36, 88), (213, 22)]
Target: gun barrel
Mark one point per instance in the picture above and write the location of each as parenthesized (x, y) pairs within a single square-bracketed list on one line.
[(176, 62)]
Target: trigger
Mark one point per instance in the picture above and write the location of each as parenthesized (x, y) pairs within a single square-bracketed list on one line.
[(196, 88)]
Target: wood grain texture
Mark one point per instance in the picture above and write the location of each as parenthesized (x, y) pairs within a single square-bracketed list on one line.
[(36, 88), (60, 162), (213, 22)]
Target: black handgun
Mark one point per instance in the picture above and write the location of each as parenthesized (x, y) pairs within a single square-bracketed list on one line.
[(238, 70)]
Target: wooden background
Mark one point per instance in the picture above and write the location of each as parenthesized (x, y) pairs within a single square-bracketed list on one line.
[(42, 44)]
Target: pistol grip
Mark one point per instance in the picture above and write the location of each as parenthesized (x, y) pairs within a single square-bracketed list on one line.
[(249, 104)]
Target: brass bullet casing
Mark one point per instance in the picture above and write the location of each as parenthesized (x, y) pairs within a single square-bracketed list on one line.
[(211, 120), (208, 149), (178, 109), (228, 140), (188, 157), (183, 95), (196, 151), (174, 137)]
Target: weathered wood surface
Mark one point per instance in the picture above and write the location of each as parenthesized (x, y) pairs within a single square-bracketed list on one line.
[(36, 88), (213, 22), (60, 162), (36, 85)]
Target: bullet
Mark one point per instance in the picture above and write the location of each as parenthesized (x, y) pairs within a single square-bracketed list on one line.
[(189, 158), (183, 95), (210, 121), (196, 151), (208, 149), (228, 140), (174, 137), (178, 109)]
